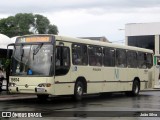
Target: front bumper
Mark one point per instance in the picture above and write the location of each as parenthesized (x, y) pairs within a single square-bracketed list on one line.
[(31, 89)]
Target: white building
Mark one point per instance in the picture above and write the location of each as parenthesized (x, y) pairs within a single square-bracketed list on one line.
[(145, 35)]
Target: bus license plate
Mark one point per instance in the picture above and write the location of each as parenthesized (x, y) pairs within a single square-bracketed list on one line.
[(40, 90)]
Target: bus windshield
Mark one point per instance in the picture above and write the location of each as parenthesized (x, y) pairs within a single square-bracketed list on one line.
[(32, 59)]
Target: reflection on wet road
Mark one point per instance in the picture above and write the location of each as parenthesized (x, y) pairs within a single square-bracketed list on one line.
[(146, 101)]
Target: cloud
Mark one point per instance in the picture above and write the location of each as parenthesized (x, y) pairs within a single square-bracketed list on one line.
[(80, 18), (93, 6), (80, 23)]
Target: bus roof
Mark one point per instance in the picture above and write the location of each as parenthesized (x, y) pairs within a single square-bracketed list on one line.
[(100, 43), (91, 42)]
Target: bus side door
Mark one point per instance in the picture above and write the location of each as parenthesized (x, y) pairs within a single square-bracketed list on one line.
[(62, 71)]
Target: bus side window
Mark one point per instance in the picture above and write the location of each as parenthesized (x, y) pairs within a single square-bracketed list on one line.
[(131, 59), (62, 60), (58, 56), (84, 55), (66, 59), (149, 60), (109, 57), (142, 60), (76, 54), (79, 54), (95, 56), (121, 58)]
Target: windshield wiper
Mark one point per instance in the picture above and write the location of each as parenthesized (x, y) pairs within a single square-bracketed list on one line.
[(21, 51), (36, 50)]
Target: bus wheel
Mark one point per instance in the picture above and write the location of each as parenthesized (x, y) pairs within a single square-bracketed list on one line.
[(78, 91), (42, 97), (135, 88)]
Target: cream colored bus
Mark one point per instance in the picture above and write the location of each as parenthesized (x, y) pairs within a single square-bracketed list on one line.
[(57, 65)]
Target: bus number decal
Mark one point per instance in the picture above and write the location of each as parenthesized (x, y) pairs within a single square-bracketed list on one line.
[(96, 69), (15, 79)]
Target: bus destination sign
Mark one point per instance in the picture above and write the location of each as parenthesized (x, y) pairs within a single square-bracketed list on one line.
[(32, 39)]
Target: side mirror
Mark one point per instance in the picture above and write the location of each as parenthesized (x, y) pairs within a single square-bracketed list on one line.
[(9, 51)]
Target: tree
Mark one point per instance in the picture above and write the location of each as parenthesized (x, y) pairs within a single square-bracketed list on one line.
[(52, 29), (42, 24), (26, 23), (23, 23)]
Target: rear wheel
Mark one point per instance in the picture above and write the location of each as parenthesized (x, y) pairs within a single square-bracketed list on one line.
[(78, 91), (135, 88)]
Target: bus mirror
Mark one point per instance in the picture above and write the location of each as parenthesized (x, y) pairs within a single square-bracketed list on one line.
[(9, 51)]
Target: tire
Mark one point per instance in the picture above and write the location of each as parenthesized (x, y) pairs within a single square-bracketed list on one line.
[(78, 91), (135, 88), (42, 97)]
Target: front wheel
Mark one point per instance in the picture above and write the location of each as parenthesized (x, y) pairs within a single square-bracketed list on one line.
[(78, 91)]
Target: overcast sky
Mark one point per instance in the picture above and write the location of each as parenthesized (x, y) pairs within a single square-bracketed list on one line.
[(86, 18)]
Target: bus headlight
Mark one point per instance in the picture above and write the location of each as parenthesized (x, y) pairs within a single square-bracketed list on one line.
[(44, 85), (12, 84)]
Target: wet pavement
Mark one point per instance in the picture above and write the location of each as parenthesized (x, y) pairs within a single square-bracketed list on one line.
[(6, 96), (117, 106)]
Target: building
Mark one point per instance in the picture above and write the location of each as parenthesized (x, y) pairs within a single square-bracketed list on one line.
[(145, 35)]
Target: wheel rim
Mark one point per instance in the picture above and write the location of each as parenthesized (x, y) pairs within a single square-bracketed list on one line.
[(79, 90)]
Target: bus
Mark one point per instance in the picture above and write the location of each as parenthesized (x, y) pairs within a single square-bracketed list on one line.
[(52, 65)]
